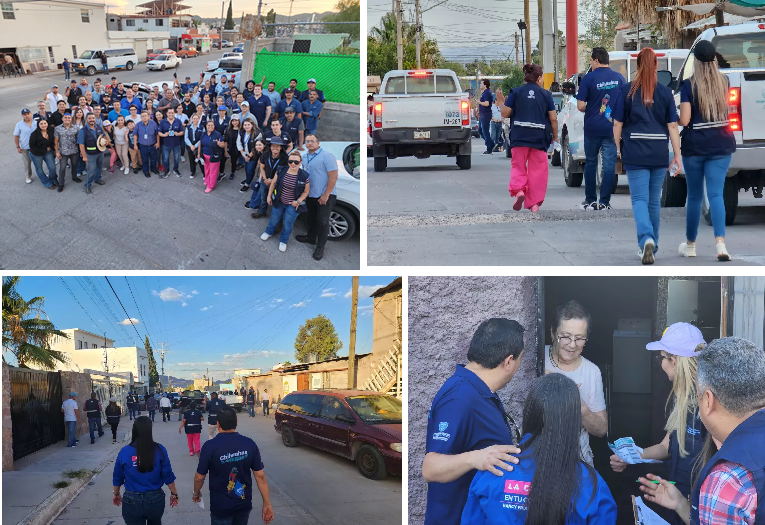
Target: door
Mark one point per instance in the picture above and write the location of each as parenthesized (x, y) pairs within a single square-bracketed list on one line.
[(682, 301), (302, 382), (36, 418), (308, 424), (333, 435), (140, 50)]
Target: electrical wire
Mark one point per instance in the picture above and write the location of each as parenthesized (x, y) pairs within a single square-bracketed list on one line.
[(123, 307)]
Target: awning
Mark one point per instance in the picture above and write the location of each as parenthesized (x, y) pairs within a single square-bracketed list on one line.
[(187, 37), (729, 19)]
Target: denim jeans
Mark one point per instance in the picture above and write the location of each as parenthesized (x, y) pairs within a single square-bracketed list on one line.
[(496, 133), (699, 170), (265, 408), (592, 146), (133, 409), (289, 214), (264, 189), (94, 422), (176, 157), (95, 165), (50, 160), (151, 414), (106, 69), (239, 519), (251, 169), (251, 410), (71, 426), (82, 167), (66, 74), (645, 191), (143, 508), (485, 123), (148, 157)]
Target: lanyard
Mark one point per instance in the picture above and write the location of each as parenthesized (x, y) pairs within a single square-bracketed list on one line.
[(272, 165), (510, 423), (310, 157)]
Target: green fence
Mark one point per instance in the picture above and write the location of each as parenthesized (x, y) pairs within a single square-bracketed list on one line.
[(336, 75)]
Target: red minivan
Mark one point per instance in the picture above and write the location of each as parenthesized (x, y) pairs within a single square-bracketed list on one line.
[(360, 425)]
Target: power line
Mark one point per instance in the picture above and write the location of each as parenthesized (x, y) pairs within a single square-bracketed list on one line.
[(127, 316), (140, 315), (78, 301)]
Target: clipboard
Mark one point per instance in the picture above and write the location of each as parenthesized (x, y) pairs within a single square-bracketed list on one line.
[(644, 515)]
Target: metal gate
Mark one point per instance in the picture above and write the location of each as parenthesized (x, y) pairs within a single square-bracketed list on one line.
[(36, 416)]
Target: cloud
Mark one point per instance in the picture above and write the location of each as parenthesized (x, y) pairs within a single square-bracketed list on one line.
[(365, 310), (255, 353), (216, 293), (364, 291), (301, 304), (329, 294), (171, 294), (130, 321), (194, 292), (225, 293), (327, 290), (184, 304), (206, 308), (278, 300)]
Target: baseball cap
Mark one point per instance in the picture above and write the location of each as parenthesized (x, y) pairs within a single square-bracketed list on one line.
[(25, 111), (73, 81), (222, 108), (245, 103), (311, 80), (679, 339), (107, 123), (704, 51), (289, 90), (72, 394), (289, 109), (235, 116), (53, 86)]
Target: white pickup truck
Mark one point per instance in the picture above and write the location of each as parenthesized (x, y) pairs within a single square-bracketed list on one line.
[(421, 113), (235, 401), (741, 56)]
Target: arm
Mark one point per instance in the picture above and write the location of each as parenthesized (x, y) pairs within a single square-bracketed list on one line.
[(199, 481), (659, 451), (268, 113), (188, 142), (674, 137), (553, 116), (18, 144), (331, 181), (581, 105), (182, 423), (595, 423), (55, 144), (445, 468), (260, 481), (296, 204), (271, 188), (300, 140), (618, 137)]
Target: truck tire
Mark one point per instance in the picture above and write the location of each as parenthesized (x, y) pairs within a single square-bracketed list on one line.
[(674, 192), (288, 437), (381, 163), (463, 161), (91, 70), (370, 462), (573, 180), (129, 66), (730, 199)]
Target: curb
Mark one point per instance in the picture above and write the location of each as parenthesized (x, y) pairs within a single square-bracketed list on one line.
[(53, 505)]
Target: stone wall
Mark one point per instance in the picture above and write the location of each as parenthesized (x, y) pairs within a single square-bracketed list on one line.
[(7, 425), (339, 122), (443, 315), (80, 383)]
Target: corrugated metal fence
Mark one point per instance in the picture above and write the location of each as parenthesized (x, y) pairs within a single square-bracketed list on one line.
[(36, 416)]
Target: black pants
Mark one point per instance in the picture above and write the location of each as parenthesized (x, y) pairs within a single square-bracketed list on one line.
[(318, 219), (192, 156), (165, 413), (72, 161), (234, 160), (114, 430)]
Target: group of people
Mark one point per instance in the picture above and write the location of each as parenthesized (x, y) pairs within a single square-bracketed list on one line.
[(633, 122), (272, 136), (482, 468)]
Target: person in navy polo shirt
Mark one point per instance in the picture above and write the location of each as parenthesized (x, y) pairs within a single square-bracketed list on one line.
[(468, 429), (293, 87), (289, 100), (311, 85), (312, 109), (172, 129), (596, 98), (260, 106), (213, 407), (484, 115), (230, 459), (148, 143)]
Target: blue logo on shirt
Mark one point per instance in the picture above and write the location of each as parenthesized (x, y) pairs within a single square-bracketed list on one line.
[(441, 435), (443, 426), (693, 431)]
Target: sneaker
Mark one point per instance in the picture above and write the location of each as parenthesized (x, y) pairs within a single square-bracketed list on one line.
[(282, 247), (646, 254), (722, 253), (606, 206), (265, 237), (687, 250), (114, 441), (231, 177), (126, 170), (29, 181), (208, 190), (135, 171), (155, 172), (177, 173), (111, 170), (74, 445), (244, 188), (88, 191), (256, 214), (191, 176), (183, 159), (487, 152), (164, 175), (147, 175), (99, 182), (76, 179), (589, 205), (535, 208)]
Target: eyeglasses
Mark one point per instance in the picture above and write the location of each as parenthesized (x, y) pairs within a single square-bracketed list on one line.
[(660, 357), (566, 341), (295, 162)]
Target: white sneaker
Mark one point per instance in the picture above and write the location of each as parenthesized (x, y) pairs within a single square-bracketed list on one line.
[(265, 237), (282, 247), (722, 253), (183, 159), (646, 254), (127, 170), (29, 181), (687, 250)]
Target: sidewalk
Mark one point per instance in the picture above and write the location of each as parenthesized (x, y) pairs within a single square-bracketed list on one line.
[(28, 491)]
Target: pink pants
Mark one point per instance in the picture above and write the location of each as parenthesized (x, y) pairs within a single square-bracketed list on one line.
[(193, 440), (529, 178), (211, 172)]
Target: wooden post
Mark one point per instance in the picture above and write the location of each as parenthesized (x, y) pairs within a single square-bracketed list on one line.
[(352, 343), (418, 30), (517, 51), (527, 19), (399, 44)]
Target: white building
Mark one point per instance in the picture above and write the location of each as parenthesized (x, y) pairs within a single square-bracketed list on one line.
[(40, 34), (175, 24), (244, 372)]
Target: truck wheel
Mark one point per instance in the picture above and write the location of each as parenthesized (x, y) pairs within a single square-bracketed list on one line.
[(129, 66), (381, 163), (288, 437), (673, 192), (555, 159), (342, 223), (371, 463), (573, 180), (91, 70), (730, 199), (463, 161)]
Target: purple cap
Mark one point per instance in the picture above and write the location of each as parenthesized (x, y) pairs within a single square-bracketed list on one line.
[(679, 339)]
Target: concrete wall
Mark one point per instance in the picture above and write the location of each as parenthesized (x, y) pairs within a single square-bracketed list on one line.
[(443, 315), (340, 122), (7, 424), (385, 321)]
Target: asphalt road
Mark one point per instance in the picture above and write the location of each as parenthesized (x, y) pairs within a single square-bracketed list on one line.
[(307, 486), (429, 212), (135, 223)]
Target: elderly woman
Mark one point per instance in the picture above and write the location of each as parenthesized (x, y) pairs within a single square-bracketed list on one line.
[(569, 332)]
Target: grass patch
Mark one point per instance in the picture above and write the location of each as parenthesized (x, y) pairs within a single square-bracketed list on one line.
[(82, 473), (60, 484)]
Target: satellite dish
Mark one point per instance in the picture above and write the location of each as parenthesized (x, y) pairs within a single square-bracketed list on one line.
[(170, 11)]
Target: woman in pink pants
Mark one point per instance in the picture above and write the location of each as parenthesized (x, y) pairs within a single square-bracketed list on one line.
[(534, 124), (211, 150), (192, 421)]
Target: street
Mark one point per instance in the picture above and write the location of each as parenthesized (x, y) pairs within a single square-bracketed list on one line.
[(307, 486), (133, 222), (429, 212)]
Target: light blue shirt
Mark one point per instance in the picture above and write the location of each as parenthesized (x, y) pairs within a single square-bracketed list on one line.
[(23, 131), (275, 98), (318, 165), (313, 110)]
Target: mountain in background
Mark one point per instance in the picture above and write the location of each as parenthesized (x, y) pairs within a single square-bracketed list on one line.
[(280, 18), (179, 381)]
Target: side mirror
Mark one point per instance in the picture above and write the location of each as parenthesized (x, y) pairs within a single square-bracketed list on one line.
[(569, 88), (345, 419), (664, 77)]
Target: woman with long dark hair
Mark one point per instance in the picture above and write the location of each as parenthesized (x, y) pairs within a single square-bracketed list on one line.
[(551, 484), (645, 118), (247, 145), (42, 149), (287, 194), (143, 467), (113, 416), (534, 124), (707, 145), (230, 136)]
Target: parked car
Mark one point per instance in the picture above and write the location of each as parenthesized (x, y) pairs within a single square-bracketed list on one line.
[(360, 425), (239, 48), (231, 67), (154, 54), (344, 218), (90, 60), (174, 398), (197, 396), (163, 62), (235, 401), (214, 64), (188, 51), (227, 43)]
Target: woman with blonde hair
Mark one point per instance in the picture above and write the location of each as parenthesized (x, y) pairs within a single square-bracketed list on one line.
[(684, 440), (707, 145)]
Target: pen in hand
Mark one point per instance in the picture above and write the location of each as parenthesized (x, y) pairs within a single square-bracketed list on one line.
[(672, 482)]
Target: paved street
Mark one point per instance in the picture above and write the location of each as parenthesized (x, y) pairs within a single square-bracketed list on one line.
[(133, 222), (308, 486), (429, 212)]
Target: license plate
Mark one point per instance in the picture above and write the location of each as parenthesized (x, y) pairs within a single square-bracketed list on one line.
[(422, 134)]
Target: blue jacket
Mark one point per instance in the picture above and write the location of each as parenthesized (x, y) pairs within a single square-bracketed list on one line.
[(531, 125), (302, 178), (126, 470)]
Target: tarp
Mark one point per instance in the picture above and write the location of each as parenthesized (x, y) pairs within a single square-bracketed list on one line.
[(729, 19)]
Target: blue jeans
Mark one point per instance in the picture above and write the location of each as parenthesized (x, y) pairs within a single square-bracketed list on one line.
[(106, 69), (143, 508), (239, 519), (698, 170), (250, 168), (485, 123), (148, 157), (66, 74), (133, 408), (264, 189), (311, 131), (290, 216), (265, 408), (71, 426), (251, 410), (151, 414), (95, 165), (496, 133), (82, 167), (166, 157), (592, 146), (645, 191), (92, 423), (50, 160)]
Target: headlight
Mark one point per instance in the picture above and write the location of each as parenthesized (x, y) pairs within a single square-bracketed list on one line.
[(396, 446)]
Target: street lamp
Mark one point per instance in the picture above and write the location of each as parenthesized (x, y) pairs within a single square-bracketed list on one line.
[(522, 26)]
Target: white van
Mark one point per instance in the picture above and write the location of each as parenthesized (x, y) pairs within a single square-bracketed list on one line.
[(625, 62), (119, 57)]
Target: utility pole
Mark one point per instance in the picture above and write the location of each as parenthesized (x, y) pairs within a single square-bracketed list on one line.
[(527, 19), (418, 30), (540, 18), (162, 357), (249, 65), (399, 45), (222, 5), (556, 41), (517, 51), (352, 344), (719, 17)]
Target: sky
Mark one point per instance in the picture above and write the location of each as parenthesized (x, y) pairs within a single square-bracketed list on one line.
[(220, 323), (211, 8), (469, 30)]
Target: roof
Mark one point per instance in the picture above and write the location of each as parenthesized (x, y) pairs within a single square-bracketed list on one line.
[(392, 287), (100, 336)]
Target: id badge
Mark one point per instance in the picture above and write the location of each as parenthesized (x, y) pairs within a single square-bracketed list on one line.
[(145, 136), (171, 132)]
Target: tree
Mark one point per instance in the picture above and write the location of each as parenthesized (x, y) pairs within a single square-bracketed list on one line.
[(348, 11), (592, 15), (381, 48), (153, 375), (458, 68), (286, 363), (229, 18), (317, 336), (269, 18), (27, 331)]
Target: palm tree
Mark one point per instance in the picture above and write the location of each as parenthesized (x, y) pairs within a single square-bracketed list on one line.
[(27, 331)]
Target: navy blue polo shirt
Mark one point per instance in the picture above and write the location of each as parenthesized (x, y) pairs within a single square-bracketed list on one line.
[(600, 88), (282, 105), (465, 416), (177, 127), (530, 121), (702, 138), (258, 107), (485, 111)]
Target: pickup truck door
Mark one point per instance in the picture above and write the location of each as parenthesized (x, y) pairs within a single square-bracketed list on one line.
[(753, 104)]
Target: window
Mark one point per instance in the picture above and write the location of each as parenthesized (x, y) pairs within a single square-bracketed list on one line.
[(331, 407), (85, 14), (620, 66), (145, 20), (741, 51), (445, 85), (7, 9), (79, 345), (159, 22), (50, 53), (417, 85), (74, 51), (130, 23), (175, 23), (85, 345)]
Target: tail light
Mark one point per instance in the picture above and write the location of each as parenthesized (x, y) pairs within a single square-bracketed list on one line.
[(378, 115), (465, 107), (734, 108)]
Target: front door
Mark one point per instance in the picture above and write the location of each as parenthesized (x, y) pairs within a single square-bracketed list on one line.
[(302, 382)]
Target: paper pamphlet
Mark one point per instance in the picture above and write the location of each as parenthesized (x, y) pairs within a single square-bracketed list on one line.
[(644, 515), (629, 452), (201, 503)]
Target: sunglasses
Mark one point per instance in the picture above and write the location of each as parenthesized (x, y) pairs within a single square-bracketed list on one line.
[(295, 162)]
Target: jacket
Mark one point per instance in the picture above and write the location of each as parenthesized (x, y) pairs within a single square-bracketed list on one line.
[(38, 145), (249, 146), (302, 179)]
